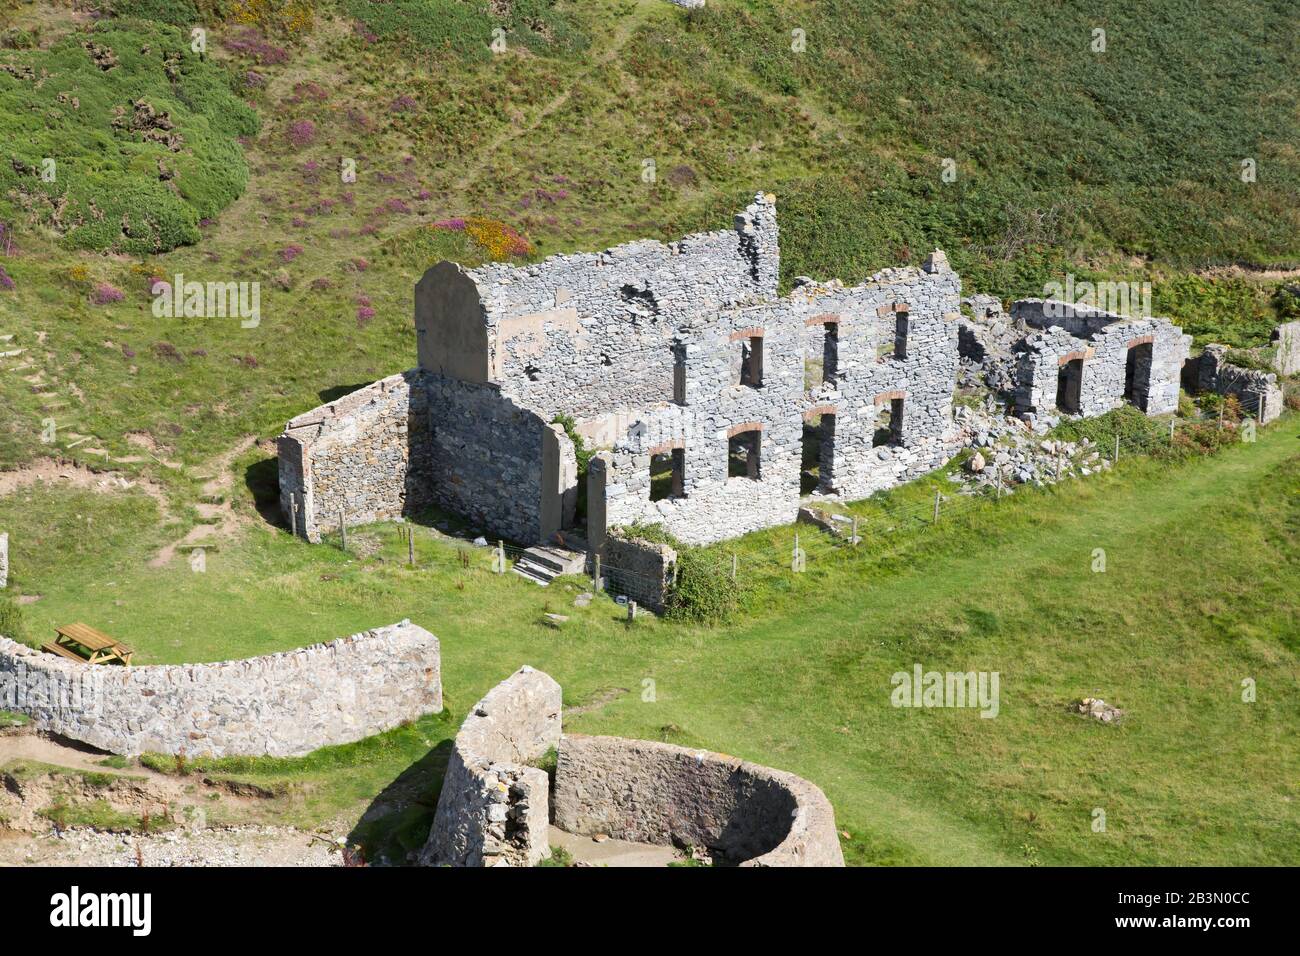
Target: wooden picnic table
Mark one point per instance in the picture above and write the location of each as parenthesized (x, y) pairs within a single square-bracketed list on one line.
[(81, 642)]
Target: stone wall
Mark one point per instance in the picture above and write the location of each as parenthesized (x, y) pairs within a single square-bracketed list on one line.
[(280, 705), (1101, 341), (1259, 393), (641, 570), (590, 333), (1286, 349), (659, 793), (365, 456), (489, 460), (493, 809), (868, 375)]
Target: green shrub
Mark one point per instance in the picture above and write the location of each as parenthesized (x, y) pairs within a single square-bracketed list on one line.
[(1230, 310), (11, 619), (465, 28), (1131, 425), (179, 13), (704, 592), (120, 185)]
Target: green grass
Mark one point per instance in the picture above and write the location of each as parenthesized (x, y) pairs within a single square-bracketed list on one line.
[(802, 681), (1118, 166)]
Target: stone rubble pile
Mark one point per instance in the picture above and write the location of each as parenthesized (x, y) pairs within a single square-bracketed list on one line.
[(1001, 444), (1097, 709)]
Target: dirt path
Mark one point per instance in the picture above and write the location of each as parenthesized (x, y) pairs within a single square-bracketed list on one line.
[(626, 28), (220, 521)]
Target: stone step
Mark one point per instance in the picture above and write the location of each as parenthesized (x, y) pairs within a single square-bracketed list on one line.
[(557, 559), (534, 573)]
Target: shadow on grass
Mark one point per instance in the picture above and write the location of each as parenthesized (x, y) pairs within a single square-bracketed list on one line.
[(336, 392), (262, 479), (397, 822)]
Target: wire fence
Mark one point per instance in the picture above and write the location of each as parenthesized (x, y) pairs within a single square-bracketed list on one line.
[(849, 530)]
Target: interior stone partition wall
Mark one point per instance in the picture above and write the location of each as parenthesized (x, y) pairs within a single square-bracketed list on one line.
[(280, 705)]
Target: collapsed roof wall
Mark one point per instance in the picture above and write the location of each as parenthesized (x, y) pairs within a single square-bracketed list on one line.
[(589, 333)]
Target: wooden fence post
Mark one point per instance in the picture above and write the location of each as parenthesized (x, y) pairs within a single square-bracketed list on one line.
[(1115, 460), (936, 505), (293, 513), (735, 561), (343, 530), (595, 571), (410, 546)]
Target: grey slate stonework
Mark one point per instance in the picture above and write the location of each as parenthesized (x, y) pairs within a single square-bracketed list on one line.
[(1259, 393), (494, 808), (1286, 345), (1101, 340), (365, 455), (641, 570), (658, 793), (280, 705)]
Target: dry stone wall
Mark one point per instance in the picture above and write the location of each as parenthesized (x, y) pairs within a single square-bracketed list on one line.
[(641, 570), (280, 705), (658, 793), (1259, 393), (365, 456), (493, 809)]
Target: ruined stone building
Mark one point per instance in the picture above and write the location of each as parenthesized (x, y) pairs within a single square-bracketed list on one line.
[(705, 392), (713, 403), (1083, 361)]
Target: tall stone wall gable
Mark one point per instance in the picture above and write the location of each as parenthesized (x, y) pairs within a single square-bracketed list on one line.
[(285, 704), (660, 793)]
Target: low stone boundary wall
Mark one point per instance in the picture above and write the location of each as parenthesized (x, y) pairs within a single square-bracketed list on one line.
[(493, 809), (659, 793), (280, 705), (642, 570), (1258, 392)]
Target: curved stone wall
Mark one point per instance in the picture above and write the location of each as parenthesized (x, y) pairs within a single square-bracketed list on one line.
[(280, 705), (493, 809), (659, 793)]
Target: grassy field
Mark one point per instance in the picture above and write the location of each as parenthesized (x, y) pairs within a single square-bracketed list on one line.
[(1202, 565), (1119, 165)]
